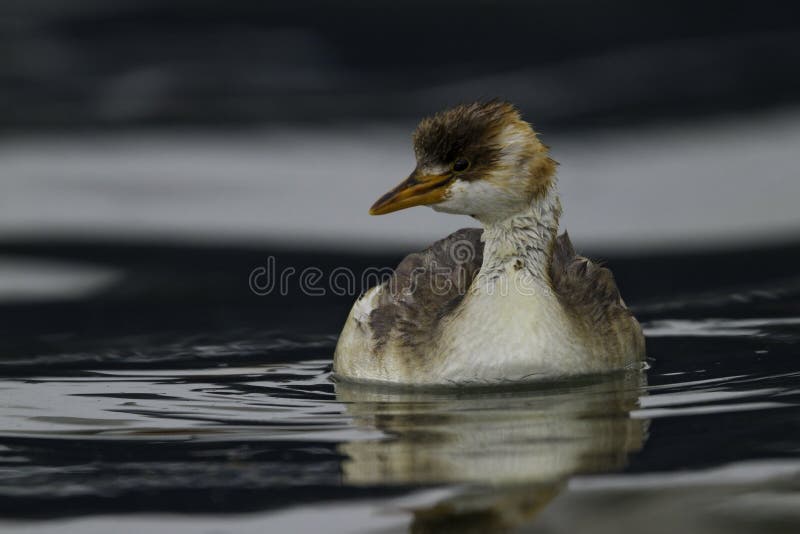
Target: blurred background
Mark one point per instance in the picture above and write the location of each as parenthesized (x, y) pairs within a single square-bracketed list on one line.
[(677, 123), (154, 153)]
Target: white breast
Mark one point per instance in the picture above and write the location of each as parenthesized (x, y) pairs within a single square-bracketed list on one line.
[(509, 328)]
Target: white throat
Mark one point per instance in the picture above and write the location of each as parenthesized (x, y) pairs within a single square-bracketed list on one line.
[(513, 300), (524, 239)]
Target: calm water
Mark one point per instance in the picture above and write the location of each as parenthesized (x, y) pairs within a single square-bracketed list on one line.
[(166, 397)]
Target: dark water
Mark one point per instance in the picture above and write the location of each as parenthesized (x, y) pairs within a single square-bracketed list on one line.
[(117, 63), (171, 398)]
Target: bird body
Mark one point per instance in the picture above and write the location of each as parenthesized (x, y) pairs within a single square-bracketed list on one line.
[(510, 303)]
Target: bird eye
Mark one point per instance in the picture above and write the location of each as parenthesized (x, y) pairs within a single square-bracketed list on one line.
[(460, 164)]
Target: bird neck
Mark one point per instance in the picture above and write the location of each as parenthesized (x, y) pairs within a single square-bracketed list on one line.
[(525, 240)]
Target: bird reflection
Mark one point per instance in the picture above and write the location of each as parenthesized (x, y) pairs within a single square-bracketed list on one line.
[(512, 450)]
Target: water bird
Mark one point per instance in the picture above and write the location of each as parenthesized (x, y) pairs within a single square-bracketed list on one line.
[(511, 302)]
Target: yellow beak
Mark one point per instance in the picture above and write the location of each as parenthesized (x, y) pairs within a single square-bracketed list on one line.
[(416, 190)]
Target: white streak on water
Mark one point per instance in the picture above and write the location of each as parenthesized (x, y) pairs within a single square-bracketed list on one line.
[(26, 279), (715, 327), (694, 185), (739, 473)]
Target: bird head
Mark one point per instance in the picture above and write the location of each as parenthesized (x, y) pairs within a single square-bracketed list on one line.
[(478, 159)]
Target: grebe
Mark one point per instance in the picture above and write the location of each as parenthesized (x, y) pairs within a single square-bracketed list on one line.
[(510, 303)]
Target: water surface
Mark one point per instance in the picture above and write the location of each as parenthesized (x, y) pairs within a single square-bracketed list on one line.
[(142, 404)]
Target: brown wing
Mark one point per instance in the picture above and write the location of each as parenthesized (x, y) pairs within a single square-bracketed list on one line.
[(425, 286), (590, 295)]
